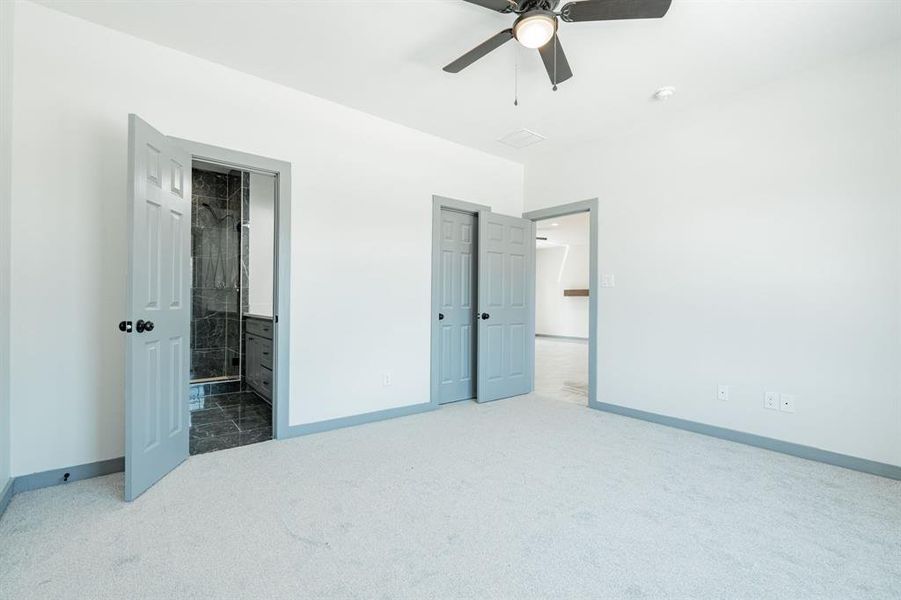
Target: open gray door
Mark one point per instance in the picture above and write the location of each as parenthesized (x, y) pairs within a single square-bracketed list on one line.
[(158, 332), (506, 330)]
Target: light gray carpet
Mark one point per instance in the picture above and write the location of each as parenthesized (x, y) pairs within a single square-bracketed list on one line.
[(528, 497)]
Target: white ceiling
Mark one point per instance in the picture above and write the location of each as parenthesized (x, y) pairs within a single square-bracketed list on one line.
[(385, 57)]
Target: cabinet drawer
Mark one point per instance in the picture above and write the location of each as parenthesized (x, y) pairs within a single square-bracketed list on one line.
[(252, 358), (266, 354), (259, 327), (265, 384)]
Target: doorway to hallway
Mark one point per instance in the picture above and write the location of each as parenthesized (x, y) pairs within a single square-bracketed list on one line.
[(566, 302), (561, 307)]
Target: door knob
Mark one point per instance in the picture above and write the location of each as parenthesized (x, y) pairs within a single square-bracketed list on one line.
[(125, 326), (485, 316), (143, 326), (440, 316)]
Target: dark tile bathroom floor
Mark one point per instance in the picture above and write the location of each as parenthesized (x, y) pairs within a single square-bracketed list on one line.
[(229, 420)]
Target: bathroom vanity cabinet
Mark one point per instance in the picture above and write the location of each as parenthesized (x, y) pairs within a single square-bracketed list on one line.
[(258, 354)]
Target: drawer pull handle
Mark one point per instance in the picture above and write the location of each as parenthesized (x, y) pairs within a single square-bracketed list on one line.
[(265, 354)]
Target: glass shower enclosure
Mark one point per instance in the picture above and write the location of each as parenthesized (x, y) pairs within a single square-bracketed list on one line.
[(219, 198)]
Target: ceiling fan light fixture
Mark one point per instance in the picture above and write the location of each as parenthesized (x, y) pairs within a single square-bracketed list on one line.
[(535, 29)]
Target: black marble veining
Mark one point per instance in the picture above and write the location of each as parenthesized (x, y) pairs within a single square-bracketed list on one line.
[(216, 248), (229, 420)]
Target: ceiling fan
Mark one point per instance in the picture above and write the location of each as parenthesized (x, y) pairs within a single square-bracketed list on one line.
[(536, 26)]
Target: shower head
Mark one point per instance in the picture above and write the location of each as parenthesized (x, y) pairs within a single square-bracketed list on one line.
[(228, 213)]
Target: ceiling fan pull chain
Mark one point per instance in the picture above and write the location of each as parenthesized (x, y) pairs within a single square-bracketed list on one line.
[(516, 77)]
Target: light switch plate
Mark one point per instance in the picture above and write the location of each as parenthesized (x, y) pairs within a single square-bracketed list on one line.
[(787, 403), (608, 280), (771, 400), (722, 392)]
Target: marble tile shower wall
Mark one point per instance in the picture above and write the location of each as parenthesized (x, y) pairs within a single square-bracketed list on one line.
[(216, 245)]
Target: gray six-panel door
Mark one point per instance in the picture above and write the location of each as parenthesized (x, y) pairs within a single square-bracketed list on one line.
[(158, 305), (506, 332), (457, 305)]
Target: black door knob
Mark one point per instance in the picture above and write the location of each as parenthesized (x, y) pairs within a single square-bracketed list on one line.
[(440, 316), (125, 326), (143, 326), (485, 316)]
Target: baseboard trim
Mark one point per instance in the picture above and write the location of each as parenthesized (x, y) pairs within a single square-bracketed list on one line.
[(808, 452), (6, 495), (36, 481), (569, 338), (372, 417)]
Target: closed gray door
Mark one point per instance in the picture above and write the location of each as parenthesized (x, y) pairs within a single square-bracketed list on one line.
[(457, 293), (159, 285), (506, 330)]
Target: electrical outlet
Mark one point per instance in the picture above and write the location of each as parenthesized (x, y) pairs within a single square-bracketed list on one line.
[(386, 379), (787, 403), (722, 392), (771, 401)]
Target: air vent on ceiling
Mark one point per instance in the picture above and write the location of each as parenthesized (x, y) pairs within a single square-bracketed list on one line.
[(521, 138)]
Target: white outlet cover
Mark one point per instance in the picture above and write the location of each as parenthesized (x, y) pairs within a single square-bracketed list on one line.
[(787, 403), (771, 401), (722, 392)]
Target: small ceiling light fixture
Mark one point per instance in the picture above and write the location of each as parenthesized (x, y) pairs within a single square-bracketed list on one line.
[(665, 93), (535, 28)]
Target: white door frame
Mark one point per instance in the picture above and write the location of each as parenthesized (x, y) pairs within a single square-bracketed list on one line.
[(282, 280), (439, 203), (562, 210)]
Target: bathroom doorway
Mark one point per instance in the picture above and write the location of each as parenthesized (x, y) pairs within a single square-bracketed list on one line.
[(233, 263), (185, 393)]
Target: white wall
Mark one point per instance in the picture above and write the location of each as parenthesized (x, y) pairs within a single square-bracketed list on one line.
[(7, 14), (556, 269), (756, 244), (261, 244), (361, 223)]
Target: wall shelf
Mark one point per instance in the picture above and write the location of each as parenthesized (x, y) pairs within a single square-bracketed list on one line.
[(575, 292)]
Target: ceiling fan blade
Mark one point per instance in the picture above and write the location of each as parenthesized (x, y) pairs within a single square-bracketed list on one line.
[(611, 10), (562, 72), (479, 51), (498, 5)]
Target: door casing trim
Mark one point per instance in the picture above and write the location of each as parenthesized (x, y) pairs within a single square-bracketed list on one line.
[(439, 203), (563, 210), (282, 281)]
